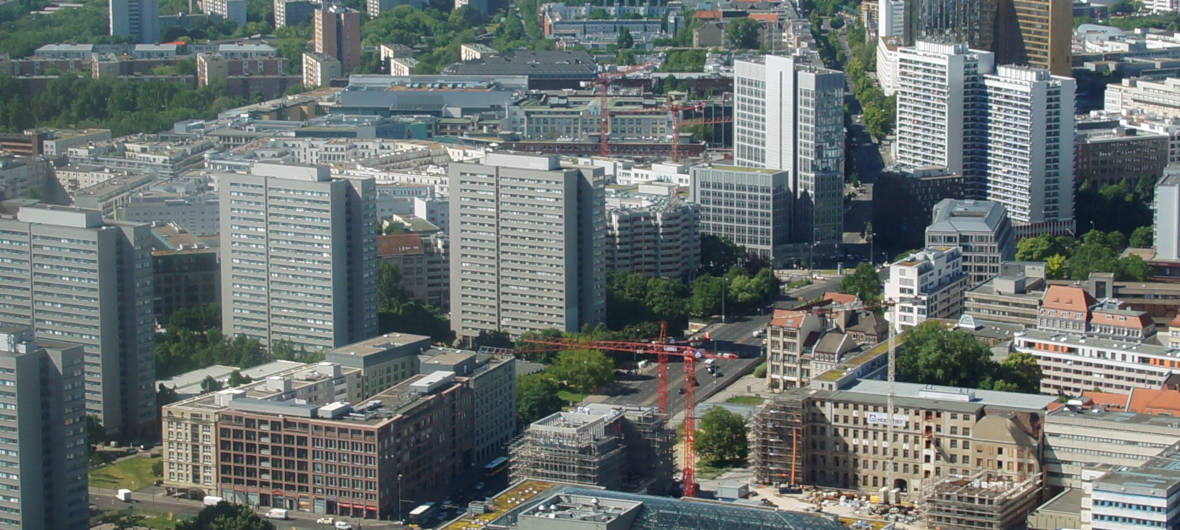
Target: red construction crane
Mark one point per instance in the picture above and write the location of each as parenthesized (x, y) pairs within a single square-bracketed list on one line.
[(662, 348), (603, 83)]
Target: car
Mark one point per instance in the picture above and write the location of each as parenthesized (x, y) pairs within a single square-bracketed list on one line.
[(342, 525), (325, 520)]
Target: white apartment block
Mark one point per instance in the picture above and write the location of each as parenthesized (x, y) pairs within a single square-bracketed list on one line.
[(1030, 130), (1073, 363), (887, 64), (1160, 125), (1162, 6), (927, 284), (788, 115), (70, 276), (298, 256), (940, 106), (1166, 225), (891, 18), (234, 10), (652, 233), (527, 243), (1152, 96), (319, 70)]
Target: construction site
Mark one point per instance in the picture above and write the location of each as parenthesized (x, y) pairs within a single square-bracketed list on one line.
[(981, 502), (616, 447), (778, 434)]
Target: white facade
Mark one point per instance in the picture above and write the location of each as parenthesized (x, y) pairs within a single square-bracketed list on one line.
[(1166, 235), (1162, 6), (234, 10), (788, 115), (139, 19), (887, 64), (1030, 130), (319, 69), (939, 106), (1159, 97), (298, 258), (927, 284), (891, 18)]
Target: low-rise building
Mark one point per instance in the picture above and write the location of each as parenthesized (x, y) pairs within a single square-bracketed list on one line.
[(492, 379), (980, 229), (185, 271), (383, 361), (1073, 363), (982, 502), (789, 335), (1147, 496), (924, 285), (1012, 297), (319, 70), (1106, 152), (1081, 437), (421, 260)]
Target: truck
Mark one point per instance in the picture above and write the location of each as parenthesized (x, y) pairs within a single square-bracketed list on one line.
[(211, 500), (123, 495)]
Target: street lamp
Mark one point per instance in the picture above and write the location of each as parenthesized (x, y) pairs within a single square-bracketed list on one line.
[(399, 497)]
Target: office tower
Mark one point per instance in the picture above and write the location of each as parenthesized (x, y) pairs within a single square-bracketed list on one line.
[(71, 276), (1035, 33), (338, 34), (1166, 236), (939, 107), (43, 450), (891, 18), (749, 206), (527, 245), (138, 18), (1030, 145), (298, 256), (789, 115), (980, 229), (968, 21)]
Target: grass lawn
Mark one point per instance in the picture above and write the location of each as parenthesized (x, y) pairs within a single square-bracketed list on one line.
[(132, 473), (158, 521), (568, 396), (745, 400)]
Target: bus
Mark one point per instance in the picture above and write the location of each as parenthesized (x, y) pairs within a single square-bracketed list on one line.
[(495, 466), (422, 514)]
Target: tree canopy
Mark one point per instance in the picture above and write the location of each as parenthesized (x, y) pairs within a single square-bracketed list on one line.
[(1097, 251), (721, 438), (226, 516), (862, 282), (931, 354), (742, 34), (582, 371), (536, 397), (396, 311), (192, 339)]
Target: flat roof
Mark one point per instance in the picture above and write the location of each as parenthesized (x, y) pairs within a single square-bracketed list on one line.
[(1094, 342), (949, 394)]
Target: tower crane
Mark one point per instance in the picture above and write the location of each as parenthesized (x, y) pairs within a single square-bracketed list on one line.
[(603, 82), (663, 348)]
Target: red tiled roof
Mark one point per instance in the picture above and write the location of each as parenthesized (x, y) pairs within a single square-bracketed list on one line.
[(1111, 400), (707, 14), (1065, 298), (784, 318), (841, 298), (398, 244), (1175, 321), (1154, 401), (764, 17), (1138, 321)]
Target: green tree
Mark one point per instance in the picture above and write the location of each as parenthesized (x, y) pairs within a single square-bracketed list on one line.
[(1132, 268), (1040, 248), (236, 379), (1055, 267), (930, 354), (536, 397), (1142, 237), (96, 434), (582, 371), (719, 254), (721, 439), (208, 384), (706, 295), (226, 516), (389, 290), (1019, 372), (760, 371), (742, 34), (625, 40), (494, 339), (862, 282), (165, 395)]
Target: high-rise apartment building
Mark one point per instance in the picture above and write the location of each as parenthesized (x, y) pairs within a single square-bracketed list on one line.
[(1166, 223), (1030, 147), (292, 12), (940, 101), (980, 229), (338, 34), (139, 19), (1044, 28), (43, 451), (749, 206), (298, 260), (788, 115), (234, 10), (527, 245), (70, 276)]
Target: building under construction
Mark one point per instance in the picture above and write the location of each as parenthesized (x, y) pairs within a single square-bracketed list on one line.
[(779, 437), (981, 502), (615, 447)]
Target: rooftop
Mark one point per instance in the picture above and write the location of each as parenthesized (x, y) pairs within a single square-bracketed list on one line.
[(1094, 342), (946, 394), (530, 63), (961, 216)]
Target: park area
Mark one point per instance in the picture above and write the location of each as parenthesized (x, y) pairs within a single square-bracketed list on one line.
[(131, 473)]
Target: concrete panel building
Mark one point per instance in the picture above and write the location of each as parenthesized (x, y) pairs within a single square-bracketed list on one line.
[(788, 116), (138, 19), (750, 206), (980, 229), (1107, 153), (319, 69), (527, 243), (337, 34), (1166, 223), (233, 10), (44, 451), (384, 360), (298, 258), (1030, 148), (652, 233), (71, 276)]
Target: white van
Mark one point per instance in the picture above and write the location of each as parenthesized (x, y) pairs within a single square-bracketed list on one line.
[(211, 500), (123, 495), (277, 513)]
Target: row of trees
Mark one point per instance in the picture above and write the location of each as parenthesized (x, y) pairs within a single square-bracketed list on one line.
[(634, 298), (1098, 251), (75, 101), (878, 110), (193, 339)]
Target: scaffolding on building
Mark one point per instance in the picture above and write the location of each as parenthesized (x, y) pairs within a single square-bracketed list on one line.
[(778, 444), (626, 447), (981, 502)]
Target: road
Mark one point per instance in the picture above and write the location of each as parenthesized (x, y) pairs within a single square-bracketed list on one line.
[(154, 500)]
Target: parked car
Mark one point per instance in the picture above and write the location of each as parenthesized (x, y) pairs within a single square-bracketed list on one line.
[(325, 520), (343, 525)]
